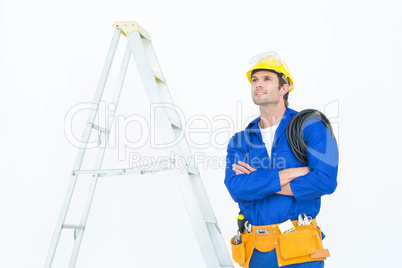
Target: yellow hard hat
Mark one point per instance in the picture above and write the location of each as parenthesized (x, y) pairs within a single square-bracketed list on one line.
[(270, 61)]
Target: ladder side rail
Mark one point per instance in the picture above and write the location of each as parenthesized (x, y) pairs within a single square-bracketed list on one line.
[(82, 149), (205, 205), (202, 196), (163, 88), (210, 218), (185, 149), (152, 90), (192, 205), (169, 137), (165, 92), (197, 183), (167, 98), (97, 98), (207, 210), (225, 258), (152, 59), (196, 218), (172, 110), (99, 160), (196, 180)]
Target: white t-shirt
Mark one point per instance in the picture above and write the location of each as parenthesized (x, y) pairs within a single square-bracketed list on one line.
[(268, 135)]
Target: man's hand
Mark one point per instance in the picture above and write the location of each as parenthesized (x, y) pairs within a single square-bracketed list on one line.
[(285, 190), (285, 176), (289, 174), (242, 168)]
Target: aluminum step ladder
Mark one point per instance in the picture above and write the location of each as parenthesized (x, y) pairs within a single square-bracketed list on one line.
[(199, 209)]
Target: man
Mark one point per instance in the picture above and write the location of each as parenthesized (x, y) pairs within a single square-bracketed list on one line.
[(263, 175)]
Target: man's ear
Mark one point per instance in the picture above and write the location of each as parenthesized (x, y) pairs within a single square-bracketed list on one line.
[(284, 89)]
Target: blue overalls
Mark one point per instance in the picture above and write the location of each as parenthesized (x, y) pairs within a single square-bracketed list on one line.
[(256, 193)]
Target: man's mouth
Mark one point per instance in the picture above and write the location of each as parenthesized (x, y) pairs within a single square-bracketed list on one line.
[(259, 93)]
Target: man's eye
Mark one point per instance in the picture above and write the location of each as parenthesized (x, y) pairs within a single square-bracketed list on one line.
[(254, 80), (267, 78)]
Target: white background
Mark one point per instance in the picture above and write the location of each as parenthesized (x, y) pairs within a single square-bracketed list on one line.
[(344, 55)]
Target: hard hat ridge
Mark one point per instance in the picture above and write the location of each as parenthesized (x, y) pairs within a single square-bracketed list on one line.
[(272, 62)]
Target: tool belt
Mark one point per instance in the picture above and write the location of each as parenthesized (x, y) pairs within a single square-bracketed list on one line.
[(303, 245)]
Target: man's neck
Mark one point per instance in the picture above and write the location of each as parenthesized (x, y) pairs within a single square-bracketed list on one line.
[(270, 115)]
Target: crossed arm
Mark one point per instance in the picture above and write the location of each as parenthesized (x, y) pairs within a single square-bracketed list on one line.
[(285, 176), (245, 183)]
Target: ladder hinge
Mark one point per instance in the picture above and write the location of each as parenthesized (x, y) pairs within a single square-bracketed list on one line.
[(127, 27)]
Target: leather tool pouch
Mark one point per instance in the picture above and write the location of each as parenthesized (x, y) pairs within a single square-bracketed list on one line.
[(242, 252), (264, 238), (304, 245)]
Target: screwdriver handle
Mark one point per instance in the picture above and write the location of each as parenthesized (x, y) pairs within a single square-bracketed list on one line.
[(240, 223)]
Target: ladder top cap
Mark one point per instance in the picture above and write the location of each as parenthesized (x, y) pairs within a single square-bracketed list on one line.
[(127, 27)]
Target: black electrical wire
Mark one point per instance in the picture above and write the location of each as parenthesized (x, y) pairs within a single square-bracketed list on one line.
[(294, 131)]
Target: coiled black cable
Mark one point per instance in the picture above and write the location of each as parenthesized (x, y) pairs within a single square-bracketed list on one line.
[(294, 131)]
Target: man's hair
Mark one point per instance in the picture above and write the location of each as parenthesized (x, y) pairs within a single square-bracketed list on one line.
[(286, 96), (281, 83)]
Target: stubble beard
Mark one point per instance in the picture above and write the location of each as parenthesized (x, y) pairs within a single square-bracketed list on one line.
[(264, 101), (260, 102)]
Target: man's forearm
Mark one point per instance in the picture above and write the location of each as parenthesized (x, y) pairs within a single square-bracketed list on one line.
[(289, 174), (285, 176), (286, 190)]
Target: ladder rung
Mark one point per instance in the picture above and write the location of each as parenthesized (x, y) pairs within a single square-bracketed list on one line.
[(192, 170), (72, 226), (159, 77), (174, 123), (152, 168), (212, 221), (100, 128)]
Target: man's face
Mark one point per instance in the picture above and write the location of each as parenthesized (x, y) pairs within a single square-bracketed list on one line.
[(265, 88)]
